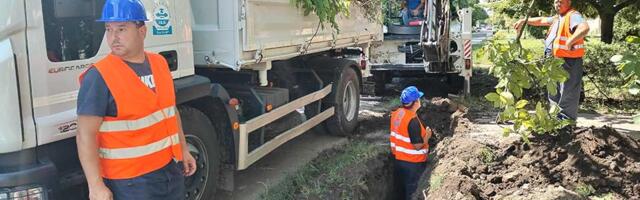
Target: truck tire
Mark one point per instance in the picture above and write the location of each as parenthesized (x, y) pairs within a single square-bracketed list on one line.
[(345, 97), (206, 147)]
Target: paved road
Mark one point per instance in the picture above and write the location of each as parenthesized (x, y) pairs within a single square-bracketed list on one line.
[(479, 37)]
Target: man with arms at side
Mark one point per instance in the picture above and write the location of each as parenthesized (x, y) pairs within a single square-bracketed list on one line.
[(129, 131)]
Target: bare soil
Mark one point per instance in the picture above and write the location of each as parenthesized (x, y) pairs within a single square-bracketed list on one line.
[(573, 165), (466, 164)]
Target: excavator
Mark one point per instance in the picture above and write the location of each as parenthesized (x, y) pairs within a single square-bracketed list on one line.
[(436, 47)]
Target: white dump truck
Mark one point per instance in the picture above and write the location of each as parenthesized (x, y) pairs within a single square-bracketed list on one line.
[(249, 76)]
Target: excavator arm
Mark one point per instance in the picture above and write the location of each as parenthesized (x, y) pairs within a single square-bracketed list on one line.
[(434, 35)]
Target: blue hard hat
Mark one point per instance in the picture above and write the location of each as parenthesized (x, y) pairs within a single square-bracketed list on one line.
[(410, 94), (123, 11)]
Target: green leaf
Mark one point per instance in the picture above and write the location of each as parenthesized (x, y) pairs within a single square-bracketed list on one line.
[(502, 83), (552, 89), (493, 97), (506, 98), (633, 39), (517, 90), (528, 124), (506, 132), (522, 103), (554, 110), (523, 114), (616, 58), (628, 68), (509, 111)]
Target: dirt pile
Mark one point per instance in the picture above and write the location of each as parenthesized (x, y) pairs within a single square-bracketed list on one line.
[(590, 161), (444, 117)]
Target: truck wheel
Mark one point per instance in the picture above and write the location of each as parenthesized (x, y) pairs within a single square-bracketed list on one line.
[(345, 96), (206, 148)]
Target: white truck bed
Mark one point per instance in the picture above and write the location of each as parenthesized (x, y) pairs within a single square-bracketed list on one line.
[(242, 33)]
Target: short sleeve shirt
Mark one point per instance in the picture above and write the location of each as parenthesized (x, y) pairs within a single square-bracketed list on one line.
[(94, 97), (576, 18), (415, 131), (413, 4)]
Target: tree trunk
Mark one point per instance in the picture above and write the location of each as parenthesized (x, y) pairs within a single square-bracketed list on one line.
[(606, 26)]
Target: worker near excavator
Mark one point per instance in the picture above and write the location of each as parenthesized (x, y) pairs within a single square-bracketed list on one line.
[(130, 140), (409, 142), (412, 9), (565, 40)]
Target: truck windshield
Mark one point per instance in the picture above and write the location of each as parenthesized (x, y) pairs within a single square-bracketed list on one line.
[(71, 30)]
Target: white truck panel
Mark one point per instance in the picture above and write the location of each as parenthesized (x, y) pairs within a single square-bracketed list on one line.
[(275, 29), (12, 30), (11, 131)]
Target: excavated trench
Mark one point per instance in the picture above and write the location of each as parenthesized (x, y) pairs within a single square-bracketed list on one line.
[(376, 173)]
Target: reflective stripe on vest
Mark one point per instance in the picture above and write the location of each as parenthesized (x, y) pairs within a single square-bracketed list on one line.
[(143, 137), (409, 151), (560, 49), (139, 151), (399, 140), (136, 124)]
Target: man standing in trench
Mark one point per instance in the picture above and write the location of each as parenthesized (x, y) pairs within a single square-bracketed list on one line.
[(129, 131), (565, 39), (409, 142)]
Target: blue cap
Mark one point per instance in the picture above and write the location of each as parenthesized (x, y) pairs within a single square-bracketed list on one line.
[(123, 11), (410, 94)]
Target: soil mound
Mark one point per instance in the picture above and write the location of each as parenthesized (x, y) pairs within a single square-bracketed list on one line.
[(585, 162), (443, 116)]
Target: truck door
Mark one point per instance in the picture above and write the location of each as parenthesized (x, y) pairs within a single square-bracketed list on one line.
[(64, 39), (11, 50)]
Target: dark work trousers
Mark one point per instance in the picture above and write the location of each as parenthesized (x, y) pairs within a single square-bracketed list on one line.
[(568, 95), (407, 175), (166, 183)]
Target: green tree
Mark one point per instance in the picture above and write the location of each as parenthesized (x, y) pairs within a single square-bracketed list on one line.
[(629, 65), (478, 14), (607, 10), (626, 23)]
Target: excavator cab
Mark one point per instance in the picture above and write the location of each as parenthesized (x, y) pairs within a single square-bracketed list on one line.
[(427, 33)]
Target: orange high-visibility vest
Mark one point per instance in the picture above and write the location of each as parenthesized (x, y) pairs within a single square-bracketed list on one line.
[(143, 137), (560, 49), (400, 141)]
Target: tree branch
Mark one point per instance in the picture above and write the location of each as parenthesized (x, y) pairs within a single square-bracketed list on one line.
[(527, 14), (623, 4)]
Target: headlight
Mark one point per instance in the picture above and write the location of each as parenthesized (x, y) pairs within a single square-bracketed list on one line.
[(23, 193)]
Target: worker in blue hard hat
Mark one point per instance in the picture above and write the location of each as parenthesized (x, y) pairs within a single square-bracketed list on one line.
[(130, 141), (409, 142)]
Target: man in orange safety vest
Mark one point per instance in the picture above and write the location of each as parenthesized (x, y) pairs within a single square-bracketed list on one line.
[(565, 40), (130, 138), (409, 142)]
